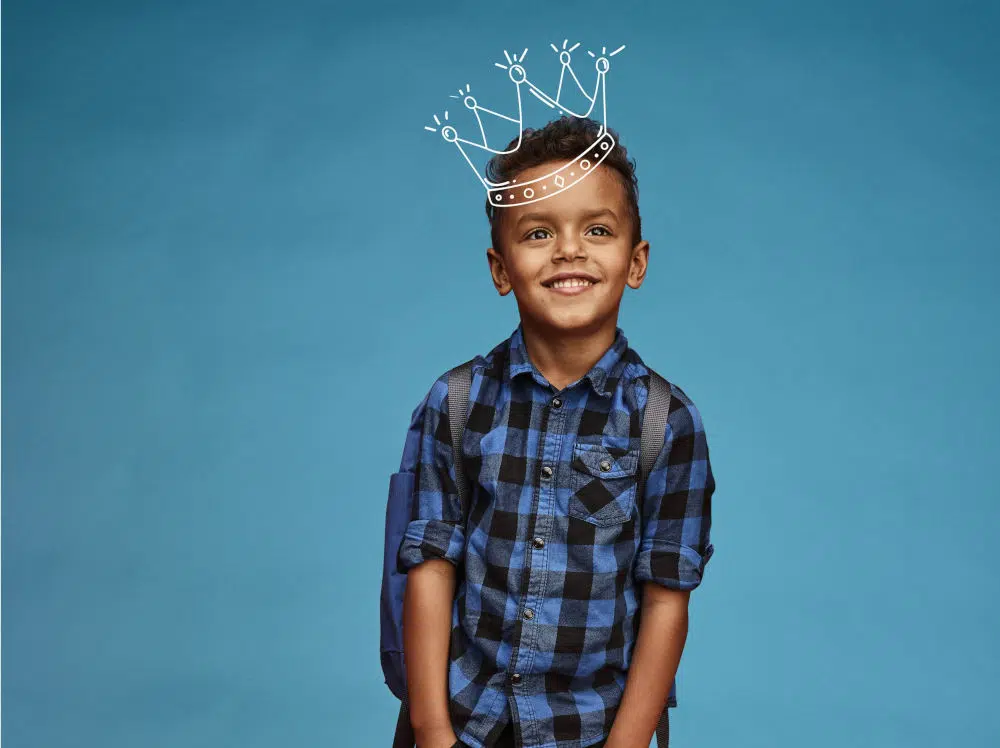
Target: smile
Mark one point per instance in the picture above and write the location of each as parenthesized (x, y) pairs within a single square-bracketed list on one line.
[(572, 287)]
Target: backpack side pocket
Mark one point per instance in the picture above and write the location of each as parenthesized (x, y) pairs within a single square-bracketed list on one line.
[(397, 517)]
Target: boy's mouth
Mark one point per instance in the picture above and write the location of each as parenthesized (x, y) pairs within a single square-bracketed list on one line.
[(570, 284)]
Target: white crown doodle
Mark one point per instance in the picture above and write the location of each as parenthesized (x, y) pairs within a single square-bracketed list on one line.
[(505, 194)]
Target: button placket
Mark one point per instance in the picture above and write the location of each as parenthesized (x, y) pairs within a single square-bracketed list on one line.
[(552, 436)]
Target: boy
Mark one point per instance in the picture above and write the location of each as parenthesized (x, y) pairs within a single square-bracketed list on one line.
[(522, 627)]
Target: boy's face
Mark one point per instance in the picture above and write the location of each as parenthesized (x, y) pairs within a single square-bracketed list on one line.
[(584, 230)]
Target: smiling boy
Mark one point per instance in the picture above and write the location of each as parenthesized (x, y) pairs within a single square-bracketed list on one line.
[(521, 624)]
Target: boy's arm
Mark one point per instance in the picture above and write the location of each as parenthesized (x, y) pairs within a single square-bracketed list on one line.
[(657, 652), (430, 590), (675, 547), (431, 548)]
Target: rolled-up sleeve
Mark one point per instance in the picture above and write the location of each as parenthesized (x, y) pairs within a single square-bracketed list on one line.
[(677, 505), (435, 529)]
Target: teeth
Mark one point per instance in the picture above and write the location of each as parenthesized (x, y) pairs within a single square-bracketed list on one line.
[(570, 283)]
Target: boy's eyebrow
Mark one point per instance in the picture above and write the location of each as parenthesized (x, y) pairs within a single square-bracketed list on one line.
[(542, 216)]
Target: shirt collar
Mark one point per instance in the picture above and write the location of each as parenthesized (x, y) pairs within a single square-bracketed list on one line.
[(520, 363)]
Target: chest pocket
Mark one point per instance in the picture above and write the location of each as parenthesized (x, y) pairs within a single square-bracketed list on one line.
[(603, 484)]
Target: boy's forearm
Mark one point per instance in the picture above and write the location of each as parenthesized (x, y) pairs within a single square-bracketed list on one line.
[(657, 653), (427, 606)]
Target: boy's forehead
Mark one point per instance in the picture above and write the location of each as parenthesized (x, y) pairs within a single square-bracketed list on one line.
[(601, 189)]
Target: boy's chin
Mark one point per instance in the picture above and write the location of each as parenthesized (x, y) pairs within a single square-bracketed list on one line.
[(575, 323)]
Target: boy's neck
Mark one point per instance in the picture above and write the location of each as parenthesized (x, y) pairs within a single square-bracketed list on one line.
[(563, 357)]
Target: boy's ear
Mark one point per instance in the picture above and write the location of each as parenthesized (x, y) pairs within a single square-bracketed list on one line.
[(639, 264), (498, 271)]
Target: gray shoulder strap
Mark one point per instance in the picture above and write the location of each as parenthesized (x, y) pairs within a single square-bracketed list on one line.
[(459, 385), (654, 427)]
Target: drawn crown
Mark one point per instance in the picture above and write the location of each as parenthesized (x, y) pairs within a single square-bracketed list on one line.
[(509, 193)]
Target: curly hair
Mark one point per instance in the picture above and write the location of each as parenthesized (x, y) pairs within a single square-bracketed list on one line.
[(562, 139)]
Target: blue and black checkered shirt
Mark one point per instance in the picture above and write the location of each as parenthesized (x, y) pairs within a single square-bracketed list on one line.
[(552, 556)]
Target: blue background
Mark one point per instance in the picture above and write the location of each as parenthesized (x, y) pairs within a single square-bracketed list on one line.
[(234, 263)]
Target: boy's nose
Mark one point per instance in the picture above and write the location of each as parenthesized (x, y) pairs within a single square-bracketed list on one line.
[(569, 247)]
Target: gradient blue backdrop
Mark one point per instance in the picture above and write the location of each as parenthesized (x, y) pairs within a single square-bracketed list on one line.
[(234, 262)]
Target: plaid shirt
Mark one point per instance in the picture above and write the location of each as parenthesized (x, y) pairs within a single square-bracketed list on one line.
[(552, 559)]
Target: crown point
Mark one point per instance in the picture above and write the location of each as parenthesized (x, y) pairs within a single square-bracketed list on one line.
[(449, 133), (470, 102), (564, 57), (602, 65), (517, 74)]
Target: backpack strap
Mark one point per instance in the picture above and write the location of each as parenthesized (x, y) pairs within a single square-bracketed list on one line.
[(459, 386), (654, 428)]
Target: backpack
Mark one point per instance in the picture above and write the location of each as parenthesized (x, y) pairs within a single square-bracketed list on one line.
[(398, 512)]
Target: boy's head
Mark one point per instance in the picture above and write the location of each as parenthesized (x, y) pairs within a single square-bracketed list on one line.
[(591, 230), (560, 140)]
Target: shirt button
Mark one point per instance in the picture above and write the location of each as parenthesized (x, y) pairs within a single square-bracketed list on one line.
[(515, 678), (556, 402), (605, 465), (538, 543), (529, 614), (546, 472)]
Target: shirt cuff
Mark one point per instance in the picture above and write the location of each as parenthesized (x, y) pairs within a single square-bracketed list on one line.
[(676, 567), (430, 538)]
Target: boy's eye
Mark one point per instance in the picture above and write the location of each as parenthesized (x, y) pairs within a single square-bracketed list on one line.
[(539, 234)]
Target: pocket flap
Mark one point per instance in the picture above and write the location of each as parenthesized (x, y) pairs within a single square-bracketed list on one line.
[(605, 462)]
